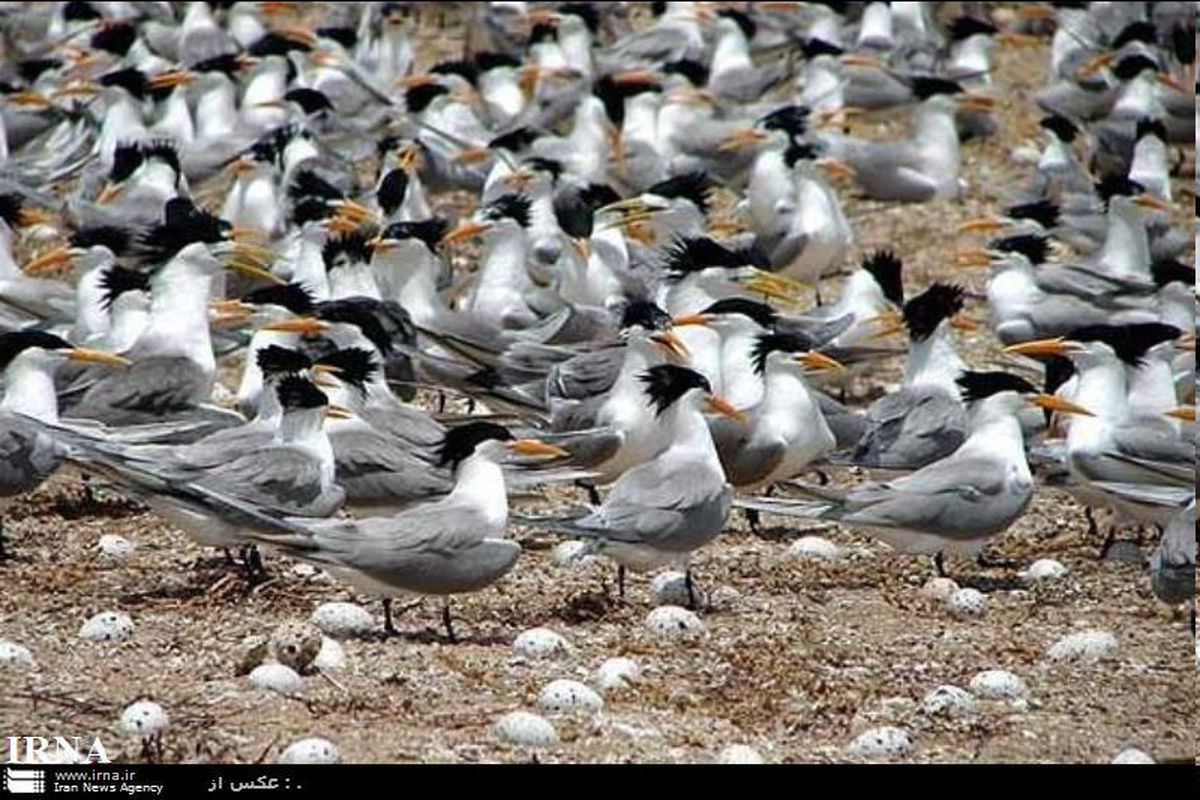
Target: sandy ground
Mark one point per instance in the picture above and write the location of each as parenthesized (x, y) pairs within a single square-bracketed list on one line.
[(797, 656)]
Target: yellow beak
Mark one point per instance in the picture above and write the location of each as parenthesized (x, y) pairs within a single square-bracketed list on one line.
[(1055, 403), (97, 357), (536, 447), (722, 406)]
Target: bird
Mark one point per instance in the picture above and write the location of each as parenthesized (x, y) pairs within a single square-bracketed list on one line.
[(955, 504), (659, 512), (27, 363), (452, 545)]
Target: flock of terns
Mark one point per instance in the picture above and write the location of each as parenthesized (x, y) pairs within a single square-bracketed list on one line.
[(658, 197)]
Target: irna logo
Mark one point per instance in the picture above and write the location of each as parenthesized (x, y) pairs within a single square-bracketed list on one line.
[(55, 750)]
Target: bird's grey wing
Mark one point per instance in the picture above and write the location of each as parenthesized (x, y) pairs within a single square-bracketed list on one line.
[(655, 502), (911, 428), (439, 548), (1088, 284), (27, 455), (150, 388), (586, 374), (1156, 449), (282, 479), (966, 496), (375, 469)]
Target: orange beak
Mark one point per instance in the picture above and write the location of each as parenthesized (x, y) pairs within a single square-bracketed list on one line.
[(819, 362), (668, 341), (464, 231), (535, 447), (720, 405), (741, 139), (1055, 403), (1058, 346), (307, 326)]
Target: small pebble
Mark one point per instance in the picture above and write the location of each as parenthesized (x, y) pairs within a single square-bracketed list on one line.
[(343, 620), (331, 655), (1044, 569), (883, 742), (740, 754), (276, 678), (14, 655), (1131, 755), (569, 695), (114, 549), (295, 644), (314, 750), (670, 589), (525, 728), (540, 643), (108, 626), (144, 719), (674, 621), (948, 701), (1085, 646), (572, 553), (814, 547), (939, 588), (966, 603), (617, 674), (998, 684)]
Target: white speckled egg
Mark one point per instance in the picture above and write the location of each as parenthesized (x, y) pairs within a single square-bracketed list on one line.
[(541, 643), (939, 588), (670, 589), (343, 620), (144, 719), (998, 684), (740, 754), (948, 701), (814, 547), (1084, 646), (616, 674), (568, 695), (330, 656), (572, 553), (525, 728), (114, 549), (1044, 569), (966, 603), (883, 742), (15, 655), (674, 621), (1131, 755), (276, 678), (108, 626), (313, 750)]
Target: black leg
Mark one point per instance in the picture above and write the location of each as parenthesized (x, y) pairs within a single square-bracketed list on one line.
[(88, 497), (691, 588), (388, 628), (470, 405), (753, 518), (256, 564), (939, 561), (229, 556), (447, 624), (1109, 540), (441, 402), (592, 492), (621, 581), (3, 552), (1093, 528)]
